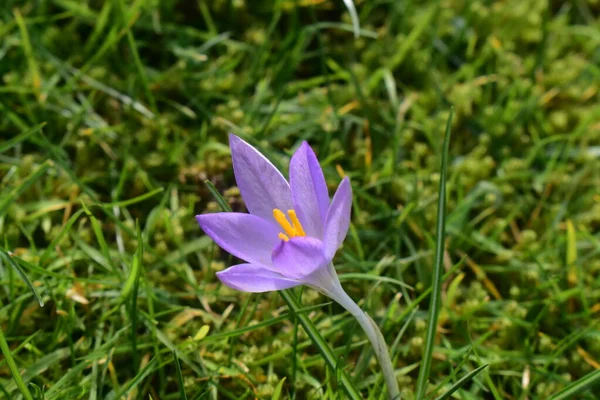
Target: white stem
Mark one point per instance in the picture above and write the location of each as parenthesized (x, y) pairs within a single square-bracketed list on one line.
[(331, 287), (377, 341)]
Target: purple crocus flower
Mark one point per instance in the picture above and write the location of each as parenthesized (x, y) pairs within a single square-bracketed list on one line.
[(292, 230), (290, 235)]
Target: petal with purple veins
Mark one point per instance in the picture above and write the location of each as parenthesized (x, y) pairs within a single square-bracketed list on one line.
[(246, 236), (298, 257), (254, 278), (262, 186), (309, 190), (338, 219)]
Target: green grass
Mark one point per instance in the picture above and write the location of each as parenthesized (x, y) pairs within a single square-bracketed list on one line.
[(114, 114)]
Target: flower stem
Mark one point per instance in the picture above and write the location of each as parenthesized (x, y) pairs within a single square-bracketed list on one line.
[(376, 339)]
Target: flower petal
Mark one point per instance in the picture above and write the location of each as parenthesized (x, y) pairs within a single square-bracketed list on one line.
[(246, 236), (338, 219), (309, 190), (298, 257), (254, 278), (261, 184)]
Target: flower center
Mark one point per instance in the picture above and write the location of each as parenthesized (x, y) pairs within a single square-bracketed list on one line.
[(293, 229)]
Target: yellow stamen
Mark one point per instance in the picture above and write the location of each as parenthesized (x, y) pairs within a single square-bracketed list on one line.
[(282, 220), (294, 229), (296, 223)]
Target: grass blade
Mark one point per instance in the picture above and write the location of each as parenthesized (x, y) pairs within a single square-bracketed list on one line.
[(278, 389), (135, 273), (434, 306), (17, 267), (354, 17), (262, 324), (20, 137), (97, 228), (128, 202), (12, 365), (579, 386), (30, 180), (136, 58), (137, 379), (182, 394), (218, 198), (459, 383), (63, 231), (130, 286), (34, 71)]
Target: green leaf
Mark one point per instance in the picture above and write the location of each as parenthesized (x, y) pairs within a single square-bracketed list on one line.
[(4, 255), (12, 366), (20, 137), (219, 199), (138, 199), (132, 278), (139, 256), (434, 305), (587, 382), (354, 17), (8, 199), (136, 379), (65, 229), (70, 377), (182, 394), (278, 389), (34, 70), (372, 277), (459, 383), (262, 324), (97, 228)]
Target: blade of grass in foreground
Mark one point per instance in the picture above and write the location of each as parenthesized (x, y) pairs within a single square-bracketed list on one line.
[(459, 383), (278, 389), (4, 255), (309, 327), (34, 70), (262, 324), (182, 394), (137, 380), (434, 306), (12, 365), (8, 198), (20, 137), (587, 382), (132, 285), (353, 16)]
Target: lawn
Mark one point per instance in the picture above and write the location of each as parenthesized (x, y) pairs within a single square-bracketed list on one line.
[(114, 123)]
